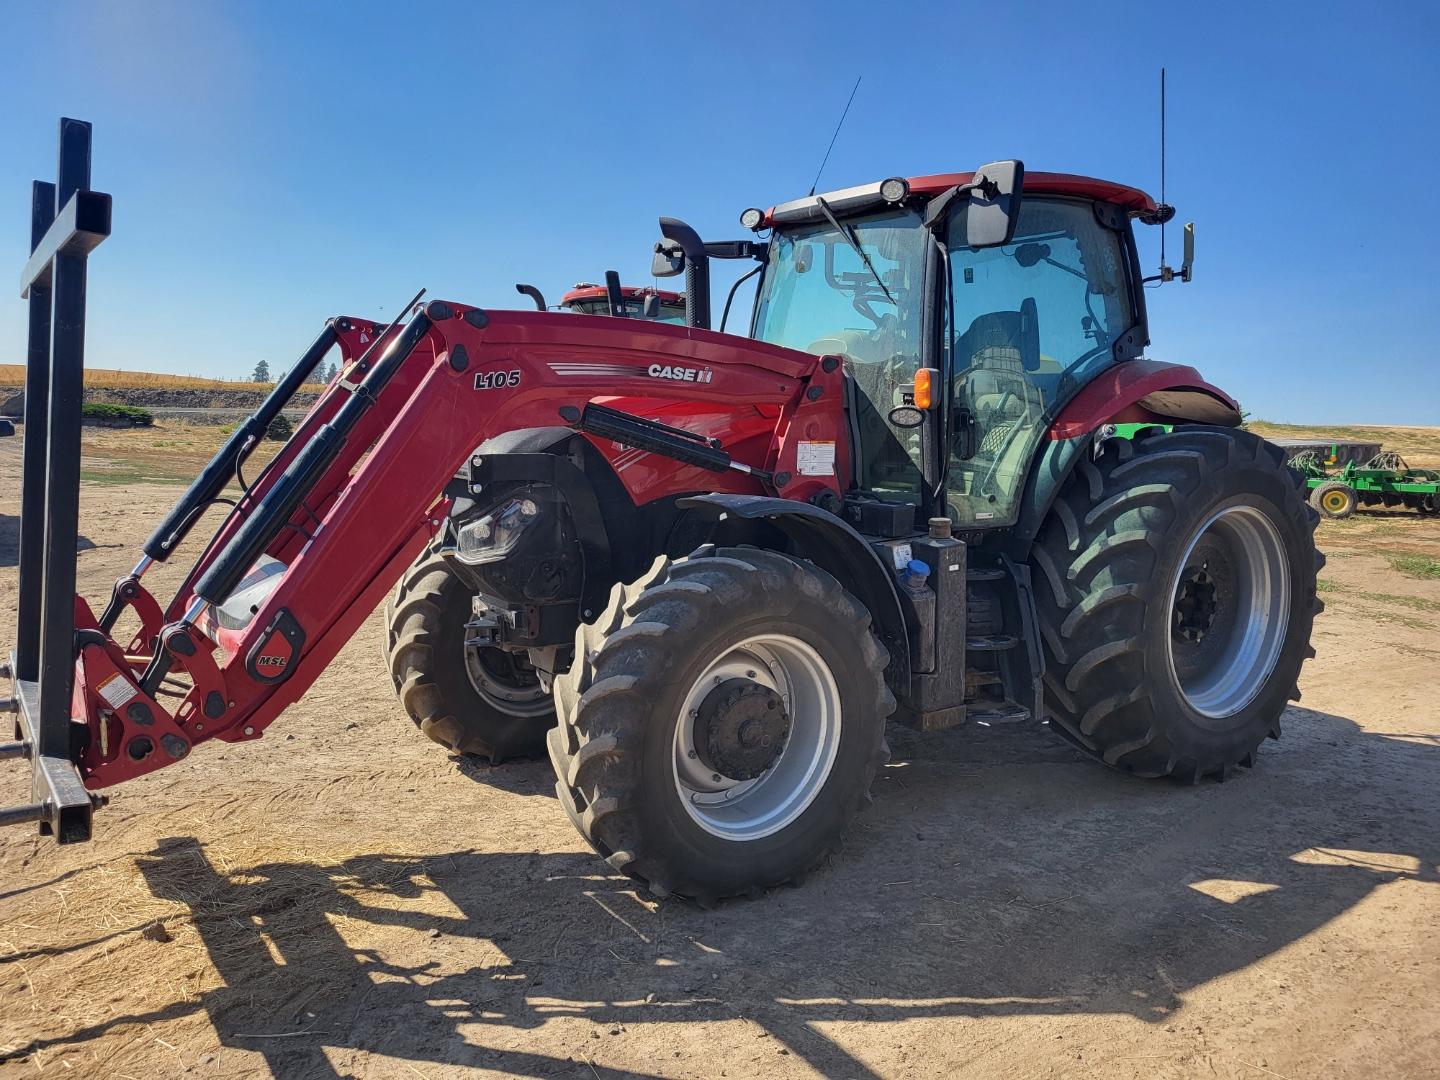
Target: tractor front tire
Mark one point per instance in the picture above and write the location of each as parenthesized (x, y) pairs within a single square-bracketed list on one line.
[(479, 701), (1334, 500), (722, 723), (1175, 590)]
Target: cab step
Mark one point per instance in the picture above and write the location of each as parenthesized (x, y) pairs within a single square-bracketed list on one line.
[(989, 715), (991, 643)]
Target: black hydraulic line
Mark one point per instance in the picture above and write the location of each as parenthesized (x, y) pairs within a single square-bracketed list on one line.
[(730, 296), (213, 478), (277, 506)]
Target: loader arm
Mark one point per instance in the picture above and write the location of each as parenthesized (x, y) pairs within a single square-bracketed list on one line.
[(325, 530)]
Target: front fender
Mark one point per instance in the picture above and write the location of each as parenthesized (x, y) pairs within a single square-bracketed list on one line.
[(835, 547)]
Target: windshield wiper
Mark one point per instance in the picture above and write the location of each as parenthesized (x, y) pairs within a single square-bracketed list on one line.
[(854, 242)]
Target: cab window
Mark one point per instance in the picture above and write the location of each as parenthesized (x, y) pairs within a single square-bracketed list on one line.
[(1028, 323), (820, 296)]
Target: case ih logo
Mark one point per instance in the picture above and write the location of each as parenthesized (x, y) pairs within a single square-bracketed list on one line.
[(680, 374)]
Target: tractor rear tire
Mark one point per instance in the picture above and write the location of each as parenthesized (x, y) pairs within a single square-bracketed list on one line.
[(1175, 590), (677, 754), (1334, 500), (469, 700)]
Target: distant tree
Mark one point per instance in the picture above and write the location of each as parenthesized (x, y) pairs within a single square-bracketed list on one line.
[(261, 372), (327, 372)]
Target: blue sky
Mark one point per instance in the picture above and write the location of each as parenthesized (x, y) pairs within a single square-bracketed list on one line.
[(273, 164)]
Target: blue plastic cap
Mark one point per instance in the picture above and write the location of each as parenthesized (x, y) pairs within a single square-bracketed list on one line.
[(918, 568)]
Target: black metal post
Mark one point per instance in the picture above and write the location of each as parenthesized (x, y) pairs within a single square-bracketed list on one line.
[(68, 221), (62, 488), (32, 483)]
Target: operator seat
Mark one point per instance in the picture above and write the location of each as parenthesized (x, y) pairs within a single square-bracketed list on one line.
[(999, 351), (1001, 354)]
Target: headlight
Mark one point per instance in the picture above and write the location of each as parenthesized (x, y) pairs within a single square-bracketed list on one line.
[(492, 537)]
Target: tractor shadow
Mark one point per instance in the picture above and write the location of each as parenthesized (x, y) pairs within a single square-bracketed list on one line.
[(10, 540), (999, 874)]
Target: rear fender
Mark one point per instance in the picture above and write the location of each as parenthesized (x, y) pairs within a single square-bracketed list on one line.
[(1141, 390), (836, 548), (1136, 391)]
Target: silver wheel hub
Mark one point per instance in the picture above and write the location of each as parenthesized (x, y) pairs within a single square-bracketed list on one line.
[(505, 681), (756, 737), (1229, 611)]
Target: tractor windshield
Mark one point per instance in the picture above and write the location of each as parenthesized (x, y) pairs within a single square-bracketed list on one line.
[(819, 296)]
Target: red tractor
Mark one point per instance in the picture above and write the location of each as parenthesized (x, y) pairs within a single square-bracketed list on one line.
[(705, 569), (612, 298)]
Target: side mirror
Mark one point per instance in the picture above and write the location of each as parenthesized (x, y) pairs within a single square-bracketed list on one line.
[(651, 308), (669, 259), (994, 207), (614, 296), (1189, 251)]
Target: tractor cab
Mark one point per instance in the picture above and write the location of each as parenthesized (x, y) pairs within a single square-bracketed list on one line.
[(656, 305), (1013, 324), (966, 318), (612, 298)]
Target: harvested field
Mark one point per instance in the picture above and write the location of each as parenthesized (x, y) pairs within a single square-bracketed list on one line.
[(343, 899), (113, 379)]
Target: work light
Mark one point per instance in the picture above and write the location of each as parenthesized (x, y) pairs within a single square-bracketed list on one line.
[(894, 190)]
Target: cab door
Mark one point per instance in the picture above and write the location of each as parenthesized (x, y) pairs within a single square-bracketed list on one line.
[(1027, 325)]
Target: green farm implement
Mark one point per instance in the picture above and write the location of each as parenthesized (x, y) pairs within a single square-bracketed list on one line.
[(1384, 480), (1338, 486)]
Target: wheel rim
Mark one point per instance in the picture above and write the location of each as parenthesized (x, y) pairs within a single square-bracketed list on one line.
[(502, 683), (753, 808), (1230, 607), (1335, 501)]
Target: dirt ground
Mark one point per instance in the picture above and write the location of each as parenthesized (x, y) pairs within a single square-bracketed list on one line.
[(343, 899)]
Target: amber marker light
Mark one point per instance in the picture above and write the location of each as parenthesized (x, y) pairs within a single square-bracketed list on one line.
[(925, 380)]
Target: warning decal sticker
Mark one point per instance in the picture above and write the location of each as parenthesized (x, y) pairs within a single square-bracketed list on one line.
[(816, 458), (116, 690)]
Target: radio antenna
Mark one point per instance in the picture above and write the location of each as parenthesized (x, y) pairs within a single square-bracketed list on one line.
[(836, 135), (1162, 163)]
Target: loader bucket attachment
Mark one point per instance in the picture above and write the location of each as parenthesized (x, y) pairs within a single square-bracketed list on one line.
[(67, 222)]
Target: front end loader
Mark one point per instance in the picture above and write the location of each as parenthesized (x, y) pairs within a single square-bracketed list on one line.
[(704, 570)]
